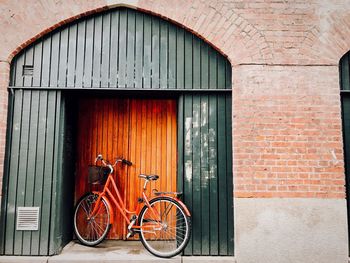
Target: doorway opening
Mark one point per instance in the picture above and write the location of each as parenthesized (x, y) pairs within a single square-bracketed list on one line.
[(143, 131)]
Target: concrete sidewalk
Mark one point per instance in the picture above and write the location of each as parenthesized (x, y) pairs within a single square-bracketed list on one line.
[(110, 252)]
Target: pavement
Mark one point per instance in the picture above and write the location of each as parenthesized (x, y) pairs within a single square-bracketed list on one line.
[(110, 251)]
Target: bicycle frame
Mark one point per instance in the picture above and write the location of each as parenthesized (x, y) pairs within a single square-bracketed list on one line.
[(106, 194)]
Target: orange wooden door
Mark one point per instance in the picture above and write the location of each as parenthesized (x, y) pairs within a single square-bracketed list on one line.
[(142, 131)]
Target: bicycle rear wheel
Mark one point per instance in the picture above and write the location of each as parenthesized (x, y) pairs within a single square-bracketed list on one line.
[(91, 230), (165, 228)]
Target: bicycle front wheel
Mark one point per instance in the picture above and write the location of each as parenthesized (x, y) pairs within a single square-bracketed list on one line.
[(91, 230), (164, 227)]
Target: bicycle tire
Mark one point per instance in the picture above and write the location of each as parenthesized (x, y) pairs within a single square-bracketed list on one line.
[(85, 228), (172, 239)]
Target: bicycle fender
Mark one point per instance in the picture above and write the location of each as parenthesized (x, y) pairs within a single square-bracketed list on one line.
[(184, 207)]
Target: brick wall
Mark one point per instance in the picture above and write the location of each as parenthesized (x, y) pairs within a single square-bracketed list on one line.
[(287, 132), (287, 125)]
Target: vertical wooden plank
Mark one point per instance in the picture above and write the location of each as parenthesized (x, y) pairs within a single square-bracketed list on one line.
[(196, 177), (172, 62), (72, 54), (155, 31), (81, 45), (38, 49), (19, 70), (221, 71), (89, 51), (143, 136), (126, 145), (97, 49), (157, 124), (5, 185), (228, 75), (213, 174), (54, 63), (130, 64), (345, 73), (196, 60), (48, 174), (139, 51), (153, 134), (133, 171), (205, 179), (147, 51), (222, 174), (29, 189), (229, 177), (62, 68), (180, 59), (13, 72), (164, 140), (114, 47), (13, 173), (163, 56), (148, 143), (29, 57), (188, 162), (213, 77), (173, 158), (61, 197), (188, 67), (204, 65), (180, 143), (168, 125), (22, 165), (123, 45), (106, 33), (45, 71), (39, 168)]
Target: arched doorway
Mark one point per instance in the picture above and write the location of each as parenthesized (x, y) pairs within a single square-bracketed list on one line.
[(121, 53)]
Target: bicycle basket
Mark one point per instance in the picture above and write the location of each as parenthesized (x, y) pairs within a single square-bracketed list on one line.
[(98, 174)]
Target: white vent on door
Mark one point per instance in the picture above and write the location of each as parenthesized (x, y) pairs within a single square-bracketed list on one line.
[(27, 218)]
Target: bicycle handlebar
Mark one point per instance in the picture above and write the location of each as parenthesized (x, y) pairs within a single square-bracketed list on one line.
[(124, 161)]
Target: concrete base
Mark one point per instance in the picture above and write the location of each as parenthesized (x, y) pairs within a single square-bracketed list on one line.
[(290, 230), (110, 252), (22, 259)]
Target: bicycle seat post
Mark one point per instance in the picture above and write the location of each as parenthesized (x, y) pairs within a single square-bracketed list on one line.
[(145, 184)]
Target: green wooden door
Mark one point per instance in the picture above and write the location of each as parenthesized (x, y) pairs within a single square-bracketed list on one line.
[(205, 171)]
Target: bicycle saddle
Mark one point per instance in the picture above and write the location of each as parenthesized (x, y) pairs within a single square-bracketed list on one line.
[(151, 177)]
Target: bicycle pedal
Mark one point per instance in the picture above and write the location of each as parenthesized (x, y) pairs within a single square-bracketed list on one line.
[(132, 223), (130, 234)]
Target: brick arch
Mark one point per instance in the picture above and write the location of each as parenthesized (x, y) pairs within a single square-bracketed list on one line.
[(329, 41), (219, 25), (228, 32)]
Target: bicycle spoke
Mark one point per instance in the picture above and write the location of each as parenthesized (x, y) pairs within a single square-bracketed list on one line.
[(93, 230)]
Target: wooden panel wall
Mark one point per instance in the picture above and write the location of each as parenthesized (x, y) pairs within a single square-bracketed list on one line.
[(34, 173), (142, 131), (123, 49)]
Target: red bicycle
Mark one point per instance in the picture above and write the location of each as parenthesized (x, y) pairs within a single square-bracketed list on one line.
[(163, 222)]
